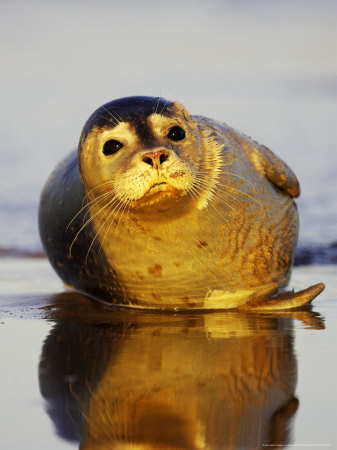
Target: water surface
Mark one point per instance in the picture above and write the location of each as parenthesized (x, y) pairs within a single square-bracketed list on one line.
[(80, 373)]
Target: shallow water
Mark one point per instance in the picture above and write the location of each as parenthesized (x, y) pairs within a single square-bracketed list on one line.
[(73, 373), (76, 372)]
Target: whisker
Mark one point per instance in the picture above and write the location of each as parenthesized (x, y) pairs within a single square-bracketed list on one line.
[(212, 206), (109, 112), (231, 174), (126, 207), (212, 189), (251, 197), (119, 116), (224, 189), (97, 199), (170, 165), (215, 189), (114, 212), (108, 119), (166, 103), (196, 191), (89, 220), (106, 183), (238, 192), (157, 106), (193, 193), (98, 231)]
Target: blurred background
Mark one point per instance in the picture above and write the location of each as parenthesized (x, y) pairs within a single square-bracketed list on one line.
[(267, 68)]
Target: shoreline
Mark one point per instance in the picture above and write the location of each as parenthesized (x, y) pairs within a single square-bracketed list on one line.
[(307, 254), (29, 288)]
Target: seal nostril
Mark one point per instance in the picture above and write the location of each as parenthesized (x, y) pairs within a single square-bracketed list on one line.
[(163, 157), (148, 160), (155, 159)]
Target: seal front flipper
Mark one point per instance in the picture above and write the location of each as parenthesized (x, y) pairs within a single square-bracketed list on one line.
[(264, 160), (270, 165), (286, 300), (277, 171)]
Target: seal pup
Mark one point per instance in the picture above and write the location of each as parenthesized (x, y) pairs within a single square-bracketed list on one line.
[(161, 209)]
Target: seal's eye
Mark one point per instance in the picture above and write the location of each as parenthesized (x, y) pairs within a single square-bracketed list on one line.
[(176, 134), (111, 146)]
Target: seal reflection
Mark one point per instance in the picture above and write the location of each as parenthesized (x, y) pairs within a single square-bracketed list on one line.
[(188, 381)]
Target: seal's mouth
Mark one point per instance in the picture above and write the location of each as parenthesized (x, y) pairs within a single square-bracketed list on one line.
[(157, 192), (157, 187)]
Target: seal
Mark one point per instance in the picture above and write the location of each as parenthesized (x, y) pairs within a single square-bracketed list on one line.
[(162, 209)]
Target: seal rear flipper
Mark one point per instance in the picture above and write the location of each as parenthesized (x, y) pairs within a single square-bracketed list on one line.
[(286, 300)]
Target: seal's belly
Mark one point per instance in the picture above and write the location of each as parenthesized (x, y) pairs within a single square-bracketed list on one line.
[(207, 263)]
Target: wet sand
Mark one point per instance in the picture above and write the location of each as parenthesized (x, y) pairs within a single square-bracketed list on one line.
[(74, 371)]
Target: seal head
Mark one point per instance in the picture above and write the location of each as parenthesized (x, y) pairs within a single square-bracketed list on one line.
[(148, 149)]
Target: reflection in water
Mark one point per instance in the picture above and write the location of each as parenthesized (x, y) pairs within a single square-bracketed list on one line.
[(141, 380)]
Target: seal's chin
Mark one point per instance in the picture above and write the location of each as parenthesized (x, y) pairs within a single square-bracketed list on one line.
[(157, 192)]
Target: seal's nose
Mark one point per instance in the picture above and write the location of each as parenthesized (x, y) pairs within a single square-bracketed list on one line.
[(155, 159)]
